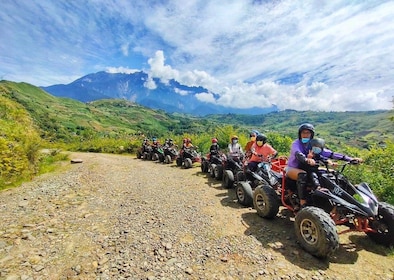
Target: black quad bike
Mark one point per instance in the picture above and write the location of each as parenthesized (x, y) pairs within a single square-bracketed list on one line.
[(170, 154), (147, 152), (157, 153), (213, 165), (231, 168), (337, 202), (267, 173), (188, 156)]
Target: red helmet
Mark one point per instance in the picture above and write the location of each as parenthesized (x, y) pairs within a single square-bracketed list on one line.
[(214, 140)]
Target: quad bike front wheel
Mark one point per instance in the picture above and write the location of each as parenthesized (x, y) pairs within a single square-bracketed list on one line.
[(228, 179), (188, 163), (212, 170), (244, 193), (266, 201), (167, 159), (178, 161), (204, 166), (218, 171), (384, 225), (316, 232)]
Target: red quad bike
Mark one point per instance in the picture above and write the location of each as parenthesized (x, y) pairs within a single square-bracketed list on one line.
[(214, 165), (337, 202), (188, 156)]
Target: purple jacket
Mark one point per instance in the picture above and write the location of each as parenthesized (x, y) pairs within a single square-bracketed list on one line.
[(299, 152)]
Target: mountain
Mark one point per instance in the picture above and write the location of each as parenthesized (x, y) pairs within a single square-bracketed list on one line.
[(171, 97)]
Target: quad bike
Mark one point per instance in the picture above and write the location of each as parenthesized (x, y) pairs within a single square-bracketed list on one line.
[(156, 153), (267, 173), (230, 170), (188, 156), (140, 152), (337, 202), (147, 152), (170, 154), (213, 165), (160, 154)]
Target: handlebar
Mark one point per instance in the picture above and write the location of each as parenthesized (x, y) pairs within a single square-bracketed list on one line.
[(342, 165)]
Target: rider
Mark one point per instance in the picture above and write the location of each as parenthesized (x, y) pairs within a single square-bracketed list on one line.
[(253, 134), (302, 158), (234, 149), (145, 145), (261, 151), (235, 153), (188, 143), (214, 149)]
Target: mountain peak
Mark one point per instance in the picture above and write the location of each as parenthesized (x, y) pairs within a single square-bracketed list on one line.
[(170, 97)]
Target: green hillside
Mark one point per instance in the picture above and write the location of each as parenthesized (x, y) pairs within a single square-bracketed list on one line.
[(62, 119)]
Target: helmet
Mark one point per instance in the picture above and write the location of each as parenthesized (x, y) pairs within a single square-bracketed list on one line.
[(214, 140), (234, 137), (254, 133), (154, 139), (261, 137), (317, 142), (306, 126), (188, 140)]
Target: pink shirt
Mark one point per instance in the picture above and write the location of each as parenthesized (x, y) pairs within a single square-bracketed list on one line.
[(266, 150)]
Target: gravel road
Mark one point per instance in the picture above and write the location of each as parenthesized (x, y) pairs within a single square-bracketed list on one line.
[(117, 217)]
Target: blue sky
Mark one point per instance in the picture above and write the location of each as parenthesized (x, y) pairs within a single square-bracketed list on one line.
[(303, 55)]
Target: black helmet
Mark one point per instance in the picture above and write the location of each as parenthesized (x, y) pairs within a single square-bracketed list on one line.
[(318, 142), (306, 126), (261, 137)]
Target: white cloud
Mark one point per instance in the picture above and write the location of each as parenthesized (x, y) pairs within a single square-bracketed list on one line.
[(123, 70), (150, 84), (330, 55)]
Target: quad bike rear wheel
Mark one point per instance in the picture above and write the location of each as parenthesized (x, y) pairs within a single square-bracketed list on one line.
[(244, 193), (265, 201), (316, 232), (384, 225), (228, 179), (240, 176)]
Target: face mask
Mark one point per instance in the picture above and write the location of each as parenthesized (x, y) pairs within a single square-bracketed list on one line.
[(235, 141), (253, 138), (305, 140), (316, 150), (259, 143)]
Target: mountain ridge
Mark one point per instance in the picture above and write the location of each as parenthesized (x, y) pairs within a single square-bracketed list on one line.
[(170, 97)]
